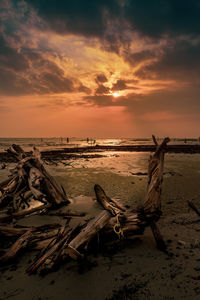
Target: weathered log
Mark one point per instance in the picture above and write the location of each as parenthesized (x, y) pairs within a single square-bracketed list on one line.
[(23, 213), (22, 198), (32, 174), (29, 237), (12, 183), (54, 193), (87, 233), (6, 182), (67, 214), (19, 151), (51, 251), (106, 202), (130, 224), (20, 244), (8, 188), (41, 245), (158, 237), (60, 254), (95, 225), (35, 183), (12, 231), (151, 209), (114, 218), (41, 236), (152, 202), (15, 231)]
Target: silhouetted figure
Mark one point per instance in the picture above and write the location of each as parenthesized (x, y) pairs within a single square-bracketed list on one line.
[(87, 140), (67, 140), (185, 141)]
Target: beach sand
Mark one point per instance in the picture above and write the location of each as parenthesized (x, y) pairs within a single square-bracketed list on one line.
[(137, 270)]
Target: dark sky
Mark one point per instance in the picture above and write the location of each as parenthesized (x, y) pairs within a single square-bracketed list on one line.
[(106, 68)]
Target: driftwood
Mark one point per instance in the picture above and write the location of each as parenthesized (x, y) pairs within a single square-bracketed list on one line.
[(152, 203), (95, 225), (92, 228), (23, 213), (20, 244), (113, 217), (113, 223), (29, 180), (62, 238), (15, 231), (28, 237), (67, 214)]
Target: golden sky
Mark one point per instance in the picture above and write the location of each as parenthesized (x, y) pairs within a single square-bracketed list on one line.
[(99, 68)]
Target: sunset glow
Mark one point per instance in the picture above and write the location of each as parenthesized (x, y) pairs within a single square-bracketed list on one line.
[(56, 58), (115, 95)]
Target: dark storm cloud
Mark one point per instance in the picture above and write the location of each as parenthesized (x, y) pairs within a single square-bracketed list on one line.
[(138, 57), (102, 90), (158, 17), (55, 83), (101, 78), (92, 18), (49, 78), (87, 17), (180, 61), (10, 58), (84, 89), (119, 85), (114, 22), (23, 71), (12, 65), (27, 72), (13, 85)]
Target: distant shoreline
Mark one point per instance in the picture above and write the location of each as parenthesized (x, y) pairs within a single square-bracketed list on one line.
[(84, 152)]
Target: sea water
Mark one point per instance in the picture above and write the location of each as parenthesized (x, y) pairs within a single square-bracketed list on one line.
[(60, 142)]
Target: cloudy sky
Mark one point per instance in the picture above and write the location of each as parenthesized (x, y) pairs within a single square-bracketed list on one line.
[(101, 68)]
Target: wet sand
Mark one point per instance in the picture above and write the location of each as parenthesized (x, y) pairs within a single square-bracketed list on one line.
[(137, 270), (96, 151)]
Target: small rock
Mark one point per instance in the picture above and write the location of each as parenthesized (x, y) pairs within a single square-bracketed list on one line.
[(182, 243)]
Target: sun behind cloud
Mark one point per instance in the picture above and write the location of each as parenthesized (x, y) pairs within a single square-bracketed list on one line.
[(115, 95)]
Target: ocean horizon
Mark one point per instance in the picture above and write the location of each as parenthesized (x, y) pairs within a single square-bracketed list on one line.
[(59, 142)]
